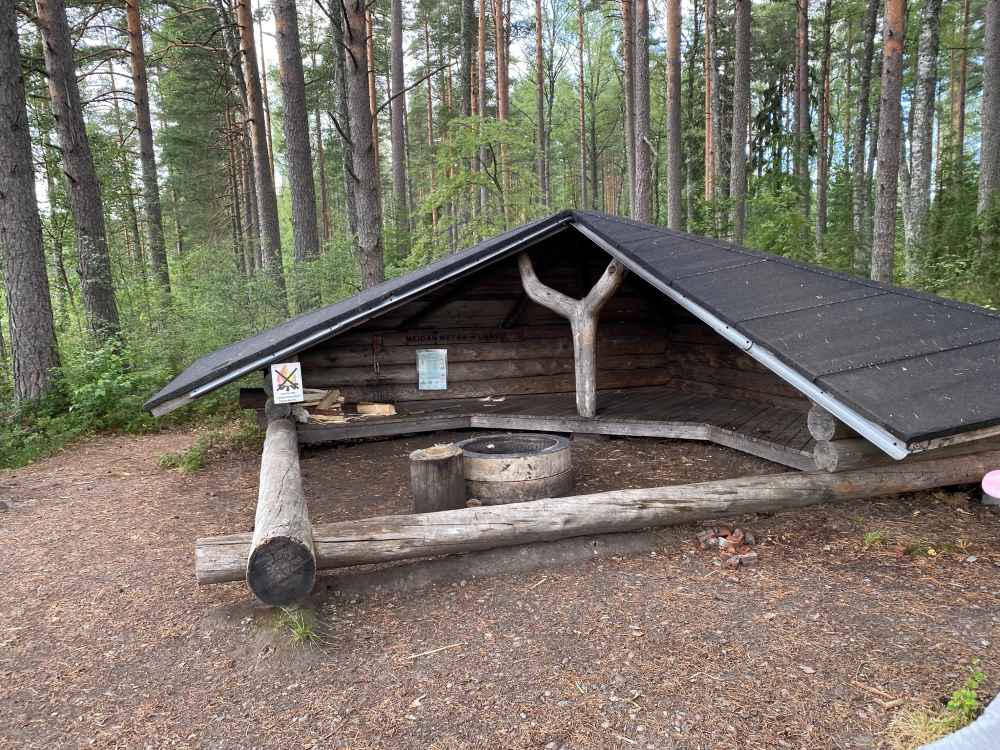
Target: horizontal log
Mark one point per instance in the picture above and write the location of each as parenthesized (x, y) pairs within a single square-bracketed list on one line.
[(376, 540), (470, 371), (610, 345), (858, 453), (824, 426), (562, 383)]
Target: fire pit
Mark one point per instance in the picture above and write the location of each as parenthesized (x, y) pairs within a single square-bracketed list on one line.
[(517, 467)]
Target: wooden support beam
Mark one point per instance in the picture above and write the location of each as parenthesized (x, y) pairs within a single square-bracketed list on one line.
[(280, 562), (582, 316), (847, 455), (824, 426), (376, 540)]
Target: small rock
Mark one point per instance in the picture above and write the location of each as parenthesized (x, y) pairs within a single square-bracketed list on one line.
[(748, 560), (733, 562), (807, 670), (4, 505)]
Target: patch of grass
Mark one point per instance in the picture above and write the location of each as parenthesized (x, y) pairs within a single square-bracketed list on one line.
[(300, 624), (224, 439), (873, 539), (920, 549), (916, 726)]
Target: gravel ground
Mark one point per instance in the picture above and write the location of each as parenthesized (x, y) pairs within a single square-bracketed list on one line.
[(107, 641)]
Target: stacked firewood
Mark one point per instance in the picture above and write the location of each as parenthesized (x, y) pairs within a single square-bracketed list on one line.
[(734, 545), (328, 407)]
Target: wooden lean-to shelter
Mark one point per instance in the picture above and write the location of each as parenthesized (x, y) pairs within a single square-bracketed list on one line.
[(582, 322)]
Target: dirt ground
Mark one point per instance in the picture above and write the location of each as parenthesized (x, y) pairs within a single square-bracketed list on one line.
[(106, 640)]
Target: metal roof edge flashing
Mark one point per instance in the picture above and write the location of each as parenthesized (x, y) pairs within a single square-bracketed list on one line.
[(886, 441)]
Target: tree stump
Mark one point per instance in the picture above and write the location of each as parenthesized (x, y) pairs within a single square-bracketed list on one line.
[(437, 479)]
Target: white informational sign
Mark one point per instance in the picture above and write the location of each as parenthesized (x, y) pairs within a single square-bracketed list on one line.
[(432, 369), (286, 383)]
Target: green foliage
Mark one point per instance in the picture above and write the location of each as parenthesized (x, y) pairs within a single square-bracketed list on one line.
[(873, 539), (964, 706), (242, 434), (299, 623), (915, 727), (96, 389)]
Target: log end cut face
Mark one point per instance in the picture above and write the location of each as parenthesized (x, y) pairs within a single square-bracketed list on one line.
[(281, 571)]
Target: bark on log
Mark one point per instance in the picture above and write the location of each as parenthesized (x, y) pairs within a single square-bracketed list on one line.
[(824, 426), (437, 479), (279, 560), (846, 455), (375, 540), (583, 317)]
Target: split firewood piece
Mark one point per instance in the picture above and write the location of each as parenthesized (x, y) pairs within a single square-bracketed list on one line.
[(376, 410), (582, 315), (332, 399)]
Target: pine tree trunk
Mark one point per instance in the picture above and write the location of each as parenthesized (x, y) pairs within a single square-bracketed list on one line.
[(324, 192), (430, 123), (343, 119), (466, 74), (628, 83), (675, 156), (264, 95), (147, 156), (540, 158), (29, 308), (364, 161), (583, 111), (267, 202), (823, 157), (741, 118), (859, 190), (295, 126), (481, 102), (802, 126), (922, 141), (989, 159), (83, 186), (640, 114), (711, 81), (890, 125), (397, 123), (959, 90)]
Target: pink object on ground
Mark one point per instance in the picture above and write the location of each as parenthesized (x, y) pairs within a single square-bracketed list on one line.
[(991, 484)]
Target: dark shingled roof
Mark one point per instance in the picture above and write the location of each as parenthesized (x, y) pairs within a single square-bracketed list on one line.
[(917, 365)]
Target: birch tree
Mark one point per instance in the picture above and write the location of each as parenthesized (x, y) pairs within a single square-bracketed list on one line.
[(916, 206)]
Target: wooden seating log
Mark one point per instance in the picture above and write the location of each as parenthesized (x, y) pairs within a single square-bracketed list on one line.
[(437, 479), (376, 540), (279, 561)]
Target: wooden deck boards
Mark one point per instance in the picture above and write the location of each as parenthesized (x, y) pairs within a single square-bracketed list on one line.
[(775, 433)]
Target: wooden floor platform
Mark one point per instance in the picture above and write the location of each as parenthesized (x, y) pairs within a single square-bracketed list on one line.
[(774, 433)]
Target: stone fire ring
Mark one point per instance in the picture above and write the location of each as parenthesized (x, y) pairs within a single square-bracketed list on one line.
[(518, 467)]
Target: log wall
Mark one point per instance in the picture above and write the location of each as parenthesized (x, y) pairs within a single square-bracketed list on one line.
[(501, 343)]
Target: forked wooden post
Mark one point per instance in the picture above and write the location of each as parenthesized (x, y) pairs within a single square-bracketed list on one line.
[(582, 316)]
